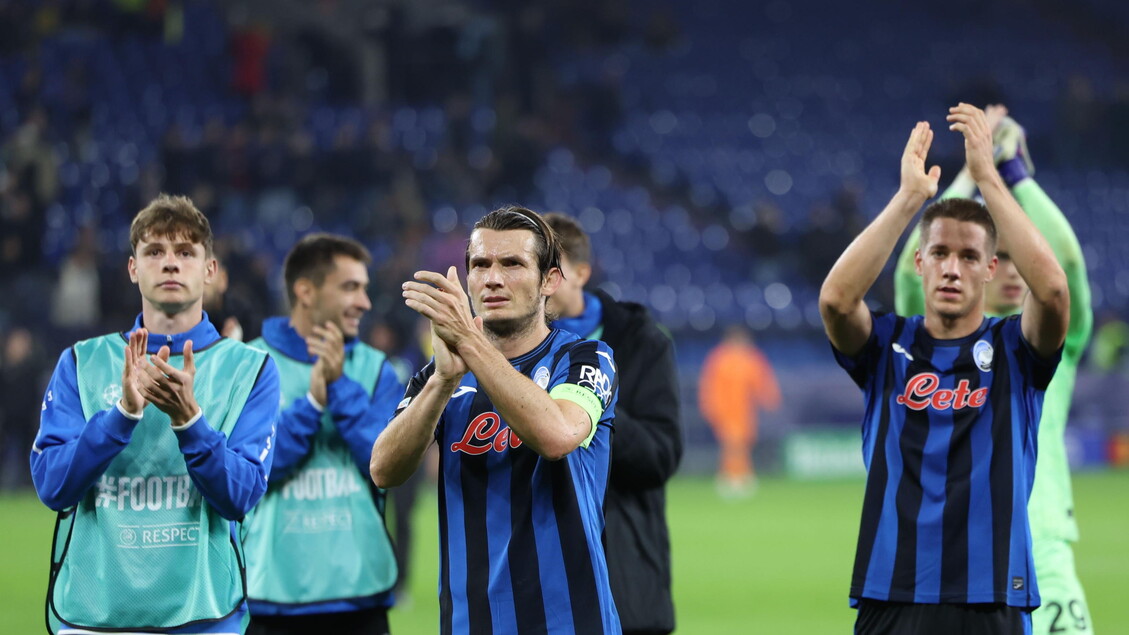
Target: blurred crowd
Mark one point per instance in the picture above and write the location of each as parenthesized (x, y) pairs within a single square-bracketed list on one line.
[(350, 116)]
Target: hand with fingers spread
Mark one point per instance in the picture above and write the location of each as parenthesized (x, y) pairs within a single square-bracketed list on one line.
[(170, 388), (443, 301), (971, 122), (327, 344), (915, 178), (133, 401)]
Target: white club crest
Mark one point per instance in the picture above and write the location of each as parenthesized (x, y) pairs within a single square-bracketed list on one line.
[(983, 353), (541, 377)]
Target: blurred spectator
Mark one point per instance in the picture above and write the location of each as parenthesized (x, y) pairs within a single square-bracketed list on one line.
[(21, 389), (735, 383), (76, 300), (21, 228), (250, 46), (28, 156)]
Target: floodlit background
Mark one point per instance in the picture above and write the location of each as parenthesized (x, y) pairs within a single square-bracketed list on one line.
[(721, 154)]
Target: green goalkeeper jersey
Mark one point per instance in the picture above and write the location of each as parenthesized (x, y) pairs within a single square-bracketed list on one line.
[(1051, 508)]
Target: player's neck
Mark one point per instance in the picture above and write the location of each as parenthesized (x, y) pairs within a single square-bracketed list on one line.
[(163, 322), (520, 343), (952, 328), (302, 323)]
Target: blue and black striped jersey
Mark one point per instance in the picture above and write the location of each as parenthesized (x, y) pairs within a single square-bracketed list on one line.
[(949, 442), (521, 537)]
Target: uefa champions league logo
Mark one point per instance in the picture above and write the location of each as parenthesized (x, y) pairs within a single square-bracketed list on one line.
[(112, 394)]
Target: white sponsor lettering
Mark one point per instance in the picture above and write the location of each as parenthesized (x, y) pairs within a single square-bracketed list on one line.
[(322, 483), (595, 380), (146, 492), (318, 521), (158, 536)]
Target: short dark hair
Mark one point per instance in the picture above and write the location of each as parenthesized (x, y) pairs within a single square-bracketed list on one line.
[(312, 258), (171, 217), (547, 247), (575, 244), (964, 210)]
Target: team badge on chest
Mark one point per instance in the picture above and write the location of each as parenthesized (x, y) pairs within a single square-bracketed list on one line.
[(983, 353)]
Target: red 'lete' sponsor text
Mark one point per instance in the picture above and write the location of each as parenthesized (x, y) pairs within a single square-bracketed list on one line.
[(483, 435), (922, 392)]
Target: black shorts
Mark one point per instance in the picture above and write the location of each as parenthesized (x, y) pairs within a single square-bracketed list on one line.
[(372, 621), (895, 618)]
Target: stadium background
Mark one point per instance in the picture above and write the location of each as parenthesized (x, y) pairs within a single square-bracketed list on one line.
[(720, 153)]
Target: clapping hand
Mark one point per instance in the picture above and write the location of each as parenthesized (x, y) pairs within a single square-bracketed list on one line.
[(327, 343), (915, 179), (170, 388), (133, 401), (971, 122)]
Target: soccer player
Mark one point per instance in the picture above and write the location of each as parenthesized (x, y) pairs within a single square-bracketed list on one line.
[(952, 402), (319, 559), (523, 416), (1051, 509), (152, 445), (647, 444)]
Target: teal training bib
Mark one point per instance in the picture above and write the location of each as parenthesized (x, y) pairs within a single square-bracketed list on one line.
[(142, 550), (318, 535)]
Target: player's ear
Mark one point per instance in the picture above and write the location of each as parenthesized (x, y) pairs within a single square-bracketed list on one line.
[(993, 265), (583, 273), (551, 281), (917, 262), (131, 266), (304, 291), (211, 269)]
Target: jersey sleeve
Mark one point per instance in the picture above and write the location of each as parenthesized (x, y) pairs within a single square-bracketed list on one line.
[(70, 452), (359, 418), (231, 471), (862, 366), (587, 376), (298, 424), (1038, 371), (415, 385)]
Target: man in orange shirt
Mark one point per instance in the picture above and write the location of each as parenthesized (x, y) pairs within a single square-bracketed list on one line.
[(736, 381)]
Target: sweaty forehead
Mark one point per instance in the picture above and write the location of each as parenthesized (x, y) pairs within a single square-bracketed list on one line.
[(493, 244), (956, 235)]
